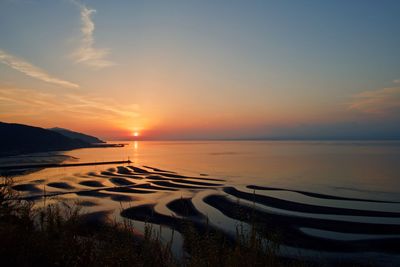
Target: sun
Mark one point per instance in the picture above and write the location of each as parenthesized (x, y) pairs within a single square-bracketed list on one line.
[(135, 134)]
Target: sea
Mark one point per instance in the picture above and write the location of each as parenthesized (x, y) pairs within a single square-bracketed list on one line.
[(328, 200)]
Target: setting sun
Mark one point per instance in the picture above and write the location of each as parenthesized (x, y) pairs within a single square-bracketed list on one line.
[(264, 132)]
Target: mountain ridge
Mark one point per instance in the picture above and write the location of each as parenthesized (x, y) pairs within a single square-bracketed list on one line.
[(77, 135), (20, 139)]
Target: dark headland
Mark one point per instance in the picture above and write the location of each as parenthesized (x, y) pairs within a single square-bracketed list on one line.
[(18, 139), (75, 135)]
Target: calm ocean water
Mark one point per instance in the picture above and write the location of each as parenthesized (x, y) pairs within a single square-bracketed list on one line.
[(363, 169)]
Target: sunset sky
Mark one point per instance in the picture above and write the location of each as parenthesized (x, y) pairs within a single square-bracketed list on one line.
[(203, 69)]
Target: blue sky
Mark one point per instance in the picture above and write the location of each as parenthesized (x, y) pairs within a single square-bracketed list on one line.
[(203, 69)]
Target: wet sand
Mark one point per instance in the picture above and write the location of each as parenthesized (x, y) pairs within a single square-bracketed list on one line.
[(184, 207), (300, 207), (287, 228), (166, 198), (317, 195)]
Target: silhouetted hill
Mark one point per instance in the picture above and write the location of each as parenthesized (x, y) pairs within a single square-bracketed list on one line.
[(19, 138), (75, 135)]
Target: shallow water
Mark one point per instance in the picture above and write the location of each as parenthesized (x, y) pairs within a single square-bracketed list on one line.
[(333, 197)]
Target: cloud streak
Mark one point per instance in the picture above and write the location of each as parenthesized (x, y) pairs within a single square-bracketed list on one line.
[(87, 54), (384, 101), (19, 104), (32, 71)]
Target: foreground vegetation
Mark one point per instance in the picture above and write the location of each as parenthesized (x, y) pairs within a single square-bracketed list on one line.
[(59, 235)]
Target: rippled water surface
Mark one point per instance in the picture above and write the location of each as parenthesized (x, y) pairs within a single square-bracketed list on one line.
[(324, 198)]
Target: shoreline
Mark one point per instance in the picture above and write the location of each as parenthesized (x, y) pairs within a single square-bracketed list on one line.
[(61, 165), (8, 154), (145, 188)]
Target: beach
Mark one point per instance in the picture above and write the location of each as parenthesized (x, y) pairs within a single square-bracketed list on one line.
[(323, 223)]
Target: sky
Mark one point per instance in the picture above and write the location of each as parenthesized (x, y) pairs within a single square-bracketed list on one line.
[(204, 69)]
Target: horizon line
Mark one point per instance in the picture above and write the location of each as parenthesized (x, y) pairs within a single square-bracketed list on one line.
[(259, 139)]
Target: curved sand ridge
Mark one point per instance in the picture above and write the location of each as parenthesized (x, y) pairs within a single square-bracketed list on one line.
[(121, 179), (144, 187)]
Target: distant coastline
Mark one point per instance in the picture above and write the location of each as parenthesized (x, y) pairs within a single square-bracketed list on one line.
[(17, 139)]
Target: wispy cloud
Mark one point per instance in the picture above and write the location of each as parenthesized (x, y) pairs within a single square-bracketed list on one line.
[(31, 70), (17, 104), (87, 53), (381, 101), (396, 81)]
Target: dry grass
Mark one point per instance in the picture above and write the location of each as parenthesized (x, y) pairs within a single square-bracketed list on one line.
[(58, 235)]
